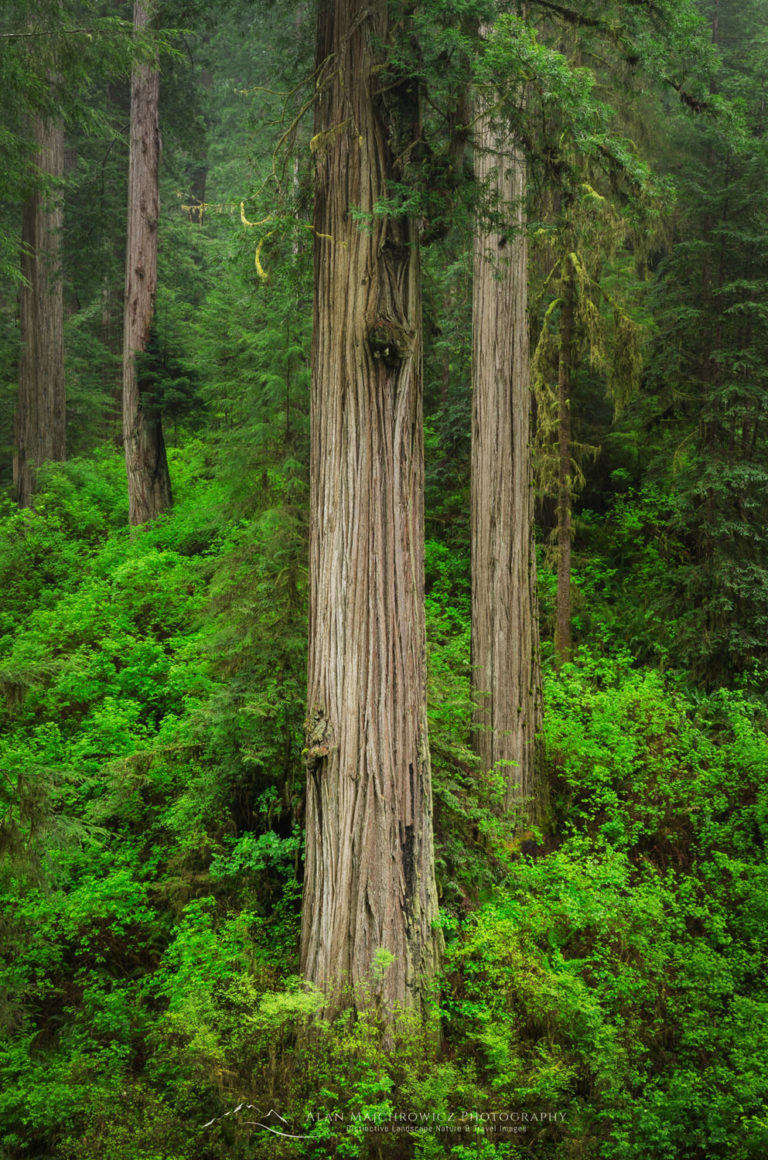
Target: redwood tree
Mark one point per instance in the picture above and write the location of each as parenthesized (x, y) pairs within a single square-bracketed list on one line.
[(369, 875), (149, 484), (563, 634), (40, 422), (505, 655)]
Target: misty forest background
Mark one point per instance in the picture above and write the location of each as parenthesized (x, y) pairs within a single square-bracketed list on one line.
[(608, 971)]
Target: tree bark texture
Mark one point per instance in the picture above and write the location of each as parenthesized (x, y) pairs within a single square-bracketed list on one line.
[(149, 485), (369, 871), (563, 641), (505, 642), (40, 421)]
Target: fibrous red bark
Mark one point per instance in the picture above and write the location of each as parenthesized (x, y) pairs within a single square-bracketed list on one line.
[(369, 873), (563, 635), (40, 421), (149, 485), (505, 642)]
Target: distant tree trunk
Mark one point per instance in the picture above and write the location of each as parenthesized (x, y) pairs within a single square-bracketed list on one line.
[(505, 642), (112, 259), (198, 173), (369, 874), (198, 181), (563, 642), (149, 485), (40, 421)]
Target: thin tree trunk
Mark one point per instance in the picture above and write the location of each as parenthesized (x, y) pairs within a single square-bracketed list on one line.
[(563, 642), (369, 873), (149, 484), (199, 170), (116, 156), (505, 643), (198, 182), (40, 421)]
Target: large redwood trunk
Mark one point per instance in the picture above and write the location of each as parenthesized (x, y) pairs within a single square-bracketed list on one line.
[(149, 485), (40, 421), (369, 874), (563, 641), (505, 642)]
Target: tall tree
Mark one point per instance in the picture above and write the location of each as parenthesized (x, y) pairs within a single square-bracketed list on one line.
[(505, 656), (56, 55), (563, 634), (709, 366), (583, 323), (149, 484), (40, 421), (369, 882)]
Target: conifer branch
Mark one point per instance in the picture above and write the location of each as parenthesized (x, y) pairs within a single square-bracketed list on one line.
[(571, 16)]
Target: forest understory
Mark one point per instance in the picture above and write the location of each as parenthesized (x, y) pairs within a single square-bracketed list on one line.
[(598, 986)]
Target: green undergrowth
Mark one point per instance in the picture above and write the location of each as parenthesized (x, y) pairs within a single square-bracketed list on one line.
[(605, 999)]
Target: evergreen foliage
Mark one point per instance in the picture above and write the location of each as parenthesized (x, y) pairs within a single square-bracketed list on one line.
[(604, 983)]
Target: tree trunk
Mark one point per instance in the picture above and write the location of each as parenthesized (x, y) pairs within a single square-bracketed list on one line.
[(563, 641), (40, 421), (112, 258), (369, 874), (505, 642), (149, 485), (198, 173)]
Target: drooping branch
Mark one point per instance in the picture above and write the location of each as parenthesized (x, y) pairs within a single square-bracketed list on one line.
[(570, 15)]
